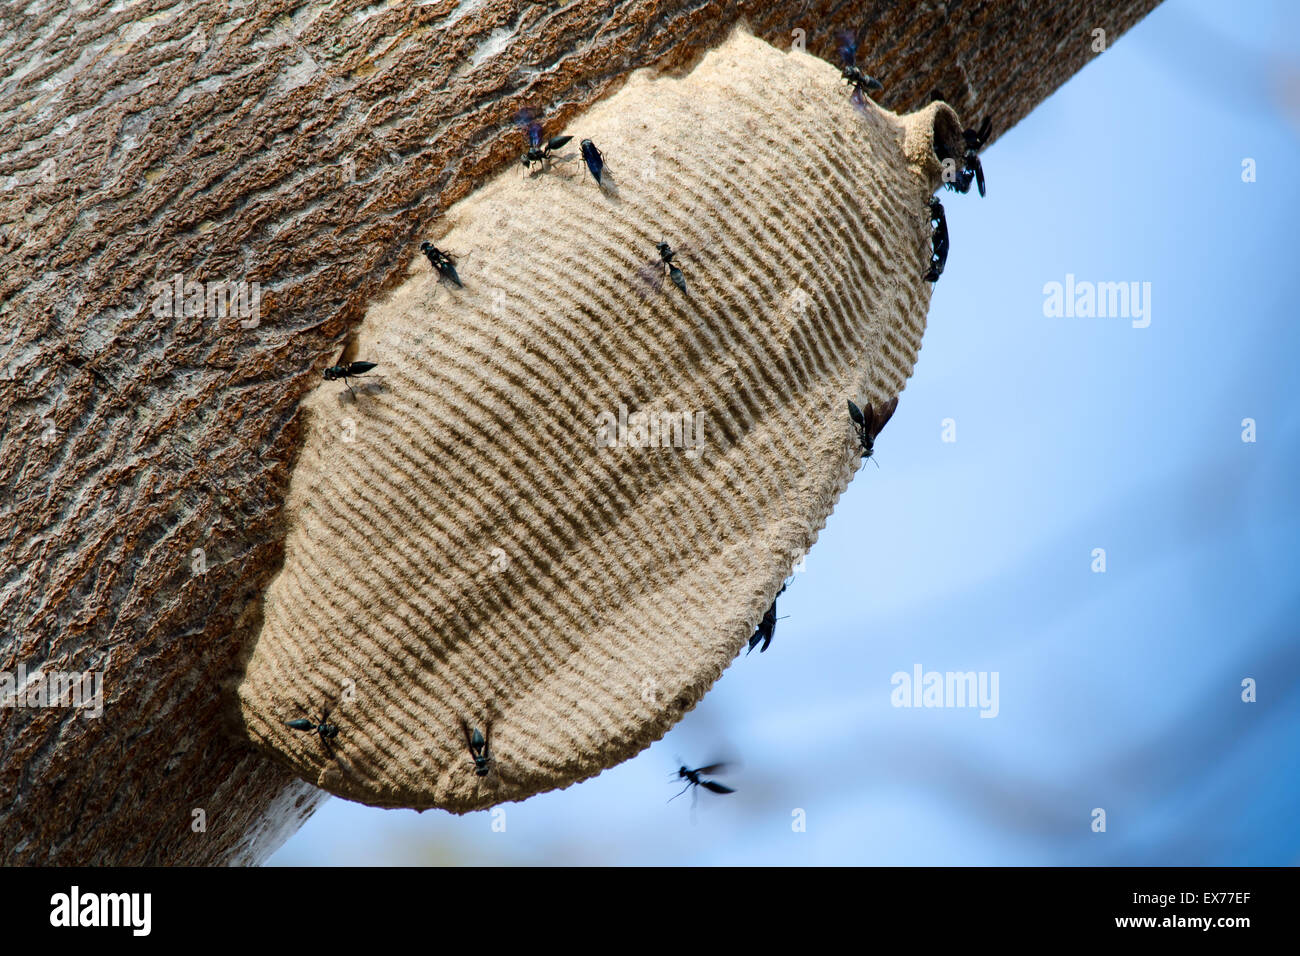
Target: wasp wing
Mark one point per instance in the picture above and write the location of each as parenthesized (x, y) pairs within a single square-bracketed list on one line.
[(469, 741), (712, 768), (527, 120), (848, 46), (882, 417), (651, 276), (704, 247)]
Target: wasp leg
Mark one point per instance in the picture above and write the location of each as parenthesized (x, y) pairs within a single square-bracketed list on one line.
[(683, 790)]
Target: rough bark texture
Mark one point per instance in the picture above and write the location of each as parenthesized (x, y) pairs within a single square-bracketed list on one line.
[(308, 148)]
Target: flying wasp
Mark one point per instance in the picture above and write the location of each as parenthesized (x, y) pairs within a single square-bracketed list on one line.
[(851, 73), (694, 777), (870, 423)]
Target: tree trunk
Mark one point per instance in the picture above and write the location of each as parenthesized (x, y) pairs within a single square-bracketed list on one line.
[(145, 453)]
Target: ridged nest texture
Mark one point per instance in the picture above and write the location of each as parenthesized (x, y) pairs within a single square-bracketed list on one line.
[(466, 551)]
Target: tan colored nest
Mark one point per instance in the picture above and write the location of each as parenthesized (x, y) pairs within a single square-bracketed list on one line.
[(465, 554)]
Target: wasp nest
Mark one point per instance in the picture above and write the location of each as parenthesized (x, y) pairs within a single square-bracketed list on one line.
[(559, 505)]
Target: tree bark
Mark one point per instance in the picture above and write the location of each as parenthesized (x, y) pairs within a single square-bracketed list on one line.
[(144, 457)]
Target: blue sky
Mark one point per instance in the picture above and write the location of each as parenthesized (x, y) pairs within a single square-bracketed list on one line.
[(1118, 690)]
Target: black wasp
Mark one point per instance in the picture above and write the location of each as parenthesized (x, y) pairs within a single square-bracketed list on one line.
[(652, 271), (693, 779), (938, 241), (705, 245), (593, 158), (322, 727), (444, 262), (862, 83), (666, 254), (766, 627), (478, 749), (537, 153), (871, 423), (972, 170), (348, 370), (971, 165)]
